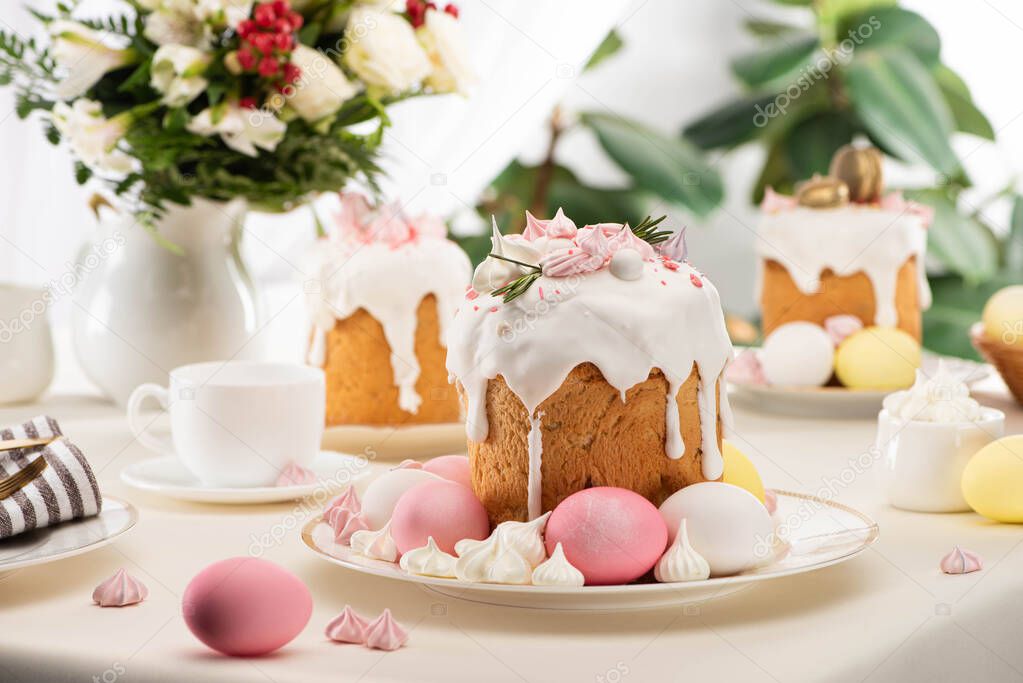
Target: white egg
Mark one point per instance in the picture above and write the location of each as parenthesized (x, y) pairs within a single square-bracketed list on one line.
[(383, 493), (798, 354), (627, 264), (726, 524)]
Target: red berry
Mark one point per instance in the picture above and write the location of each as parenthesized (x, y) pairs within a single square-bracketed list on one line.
[(281, 7), (291, 73), (431, 5), (264, 14), (451, 9), (264, 42), (246, 27), (246, 58), (283, 41), (296, 20), (412, 5), (268, 67), (247, 103)]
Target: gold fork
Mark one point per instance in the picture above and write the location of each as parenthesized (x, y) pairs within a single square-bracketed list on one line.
[(15, 444), (22, 477)]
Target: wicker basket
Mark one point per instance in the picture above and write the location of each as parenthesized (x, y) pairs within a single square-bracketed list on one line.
[(1008, 360)]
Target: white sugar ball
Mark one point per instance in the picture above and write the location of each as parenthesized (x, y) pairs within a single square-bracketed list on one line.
[(627, 264), (798, 354)]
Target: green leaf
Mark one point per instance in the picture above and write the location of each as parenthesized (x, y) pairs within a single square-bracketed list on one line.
[(959, 242), (968, 118), (895, 27), (810, 145), (775, 173), (898, 101), (956, 307), (831, 14), (731, 125), (668, 167), (310, 33), (611, 44), (765, 28), (587, 205), (82, 173), (777, 64), (1014, 243)]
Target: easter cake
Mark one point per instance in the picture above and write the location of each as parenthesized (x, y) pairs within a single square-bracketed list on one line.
[(841, 281), (588, 357), (386, 287)]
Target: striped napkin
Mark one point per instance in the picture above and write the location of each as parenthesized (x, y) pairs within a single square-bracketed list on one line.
[(65, 490)]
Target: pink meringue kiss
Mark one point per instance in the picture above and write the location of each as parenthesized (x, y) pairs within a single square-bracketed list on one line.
[(746, 369), (839, 327), (384, 633), (561, 226), (961, 561), (347, 627), (770, 501), (894, 201), (345, 523), (120, 590), (295, 475), (675, 247), (774, 202), (349, 500)]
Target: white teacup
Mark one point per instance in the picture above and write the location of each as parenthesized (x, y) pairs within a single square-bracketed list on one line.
[(237, 423), (922, 462)]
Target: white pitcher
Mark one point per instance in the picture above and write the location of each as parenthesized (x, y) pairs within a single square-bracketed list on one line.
[(26, 344)]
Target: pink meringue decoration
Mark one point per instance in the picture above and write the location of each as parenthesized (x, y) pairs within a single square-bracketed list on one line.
[(622, 237), (295, 475), (347, 627), (351, 219), (770, 501), (384, 633), (746, 369), (345, 523), (409, 464), (674, 247), (961, 561), (390, 226), (120, 590), (560, 226), (349, 500), (839, 327), (429, 225), (894, 201), (591, 255), (774, 202)]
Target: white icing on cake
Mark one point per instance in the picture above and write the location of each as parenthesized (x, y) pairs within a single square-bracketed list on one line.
[(668, 319), (388, 279), (847, 240)]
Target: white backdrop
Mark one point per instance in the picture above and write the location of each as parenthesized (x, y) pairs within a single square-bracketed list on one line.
[(442, 151)]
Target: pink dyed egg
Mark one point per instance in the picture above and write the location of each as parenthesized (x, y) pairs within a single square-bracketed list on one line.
[(246, 607), (451, 467), (611, 535), (443, 509)]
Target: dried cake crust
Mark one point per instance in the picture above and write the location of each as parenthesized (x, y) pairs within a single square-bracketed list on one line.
[(590, 438), (360, 379), (782, 302)]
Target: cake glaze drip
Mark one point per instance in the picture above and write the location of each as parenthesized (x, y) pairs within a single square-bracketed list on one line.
[(873, 240), (669, 319), (384, 265)]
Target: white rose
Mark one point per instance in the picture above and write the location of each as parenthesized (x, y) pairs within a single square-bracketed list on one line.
[(383, 51), (321, 88), (176, 73), (243, 130), (223, 12), (441, 37), (84, 55), (93, 138)]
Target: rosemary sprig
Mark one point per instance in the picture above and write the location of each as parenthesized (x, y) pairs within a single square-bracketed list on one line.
[(531, 267), (647, 230), (518, 286)]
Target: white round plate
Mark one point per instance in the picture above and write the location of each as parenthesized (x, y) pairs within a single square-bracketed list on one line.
[(168, 477), (840, 402), (827, 533), (397, 443), (68, 539)]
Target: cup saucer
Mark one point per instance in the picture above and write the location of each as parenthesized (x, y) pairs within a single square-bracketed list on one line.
[(167, 476)]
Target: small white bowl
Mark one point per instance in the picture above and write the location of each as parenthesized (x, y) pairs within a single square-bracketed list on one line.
[(921, 463)]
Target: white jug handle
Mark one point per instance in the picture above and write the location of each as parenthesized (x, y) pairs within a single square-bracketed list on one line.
[(135, 401)]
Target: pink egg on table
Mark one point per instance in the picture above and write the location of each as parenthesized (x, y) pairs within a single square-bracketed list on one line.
[(611, 535), (452, 467), (443, 509), (246, 607)]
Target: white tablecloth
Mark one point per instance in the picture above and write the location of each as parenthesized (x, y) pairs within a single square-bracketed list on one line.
[(888, 615)]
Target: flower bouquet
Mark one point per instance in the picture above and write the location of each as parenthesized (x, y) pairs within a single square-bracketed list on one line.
[(225, 99)]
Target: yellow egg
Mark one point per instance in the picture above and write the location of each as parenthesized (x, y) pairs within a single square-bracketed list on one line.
[(739, 471), (1003, 316), (993, 480), (880, 358)]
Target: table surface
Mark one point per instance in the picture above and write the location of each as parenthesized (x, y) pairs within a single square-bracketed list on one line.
[(887, 615)]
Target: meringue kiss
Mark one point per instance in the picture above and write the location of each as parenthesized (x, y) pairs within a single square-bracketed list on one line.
[(961, 561), (384, 633), (347, 627), (120, 590)]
